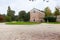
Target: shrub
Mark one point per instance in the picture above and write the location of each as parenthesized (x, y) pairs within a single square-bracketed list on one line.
[(8, 19), (45, 19), (50, 19)]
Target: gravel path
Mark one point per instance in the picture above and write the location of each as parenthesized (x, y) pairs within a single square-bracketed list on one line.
[(30, 32)]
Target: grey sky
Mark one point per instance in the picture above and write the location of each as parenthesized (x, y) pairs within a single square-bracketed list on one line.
[(19, 5)]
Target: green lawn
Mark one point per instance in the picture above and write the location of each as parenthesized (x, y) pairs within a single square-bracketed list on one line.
[(22, 23)]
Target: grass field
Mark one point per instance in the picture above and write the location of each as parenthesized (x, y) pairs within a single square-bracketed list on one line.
[(22, 23)]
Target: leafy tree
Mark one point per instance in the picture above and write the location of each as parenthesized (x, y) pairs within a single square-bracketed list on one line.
[(50, 19), (47, 12), (22, 15), (56, 12), (27, 17), (10, 13), (16, 18), (8, 18)]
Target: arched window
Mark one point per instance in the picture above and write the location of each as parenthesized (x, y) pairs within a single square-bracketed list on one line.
[(34, 20)]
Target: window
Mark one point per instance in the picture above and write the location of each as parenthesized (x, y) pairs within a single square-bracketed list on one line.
[(34, 11), (34, 20)]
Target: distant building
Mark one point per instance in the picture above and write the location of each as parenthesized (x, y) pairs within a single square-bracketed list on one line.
[(58, 7), (58, 18), (37, 15)]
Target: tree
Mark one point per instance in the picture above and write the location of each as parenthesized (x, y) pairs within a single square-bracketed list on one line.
[(22, 15), (47, 12), (10, 13), (27, 17), (50, 19), (16, 18), (56, 12), (8, 18)]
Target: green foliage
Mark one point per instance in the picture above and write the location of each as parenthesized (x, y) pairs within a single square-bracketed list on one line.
[(16, 18), (50, 19), (10, 13), (27, 17), (22, 15), (47, 12), (45, 19), (56, 12), (8, 19)]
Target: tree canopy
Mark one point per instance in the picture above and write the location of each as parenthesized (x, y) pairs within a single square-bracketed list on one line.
[(47, 12), (22, 15), (56, 12), (10, 13)]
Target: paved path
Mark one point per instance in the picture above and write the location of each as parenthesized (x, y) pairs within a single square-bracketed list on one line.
[(30, 32)]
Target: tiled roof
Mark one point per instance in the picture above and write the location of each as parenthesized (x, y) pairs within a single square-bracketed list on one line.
[(38, 10)]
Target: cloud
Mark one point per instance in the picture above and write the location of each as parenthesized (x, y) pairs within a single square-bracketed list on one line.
[(27, 5)]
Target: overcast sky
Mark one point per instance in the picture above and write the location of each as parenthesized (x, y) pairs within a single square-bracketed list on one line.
[(27, 5)]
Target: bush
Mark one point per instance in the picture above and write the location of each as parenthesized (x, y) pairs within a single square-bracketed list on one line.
[(45, 19), (50, 19), (8, 19)]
